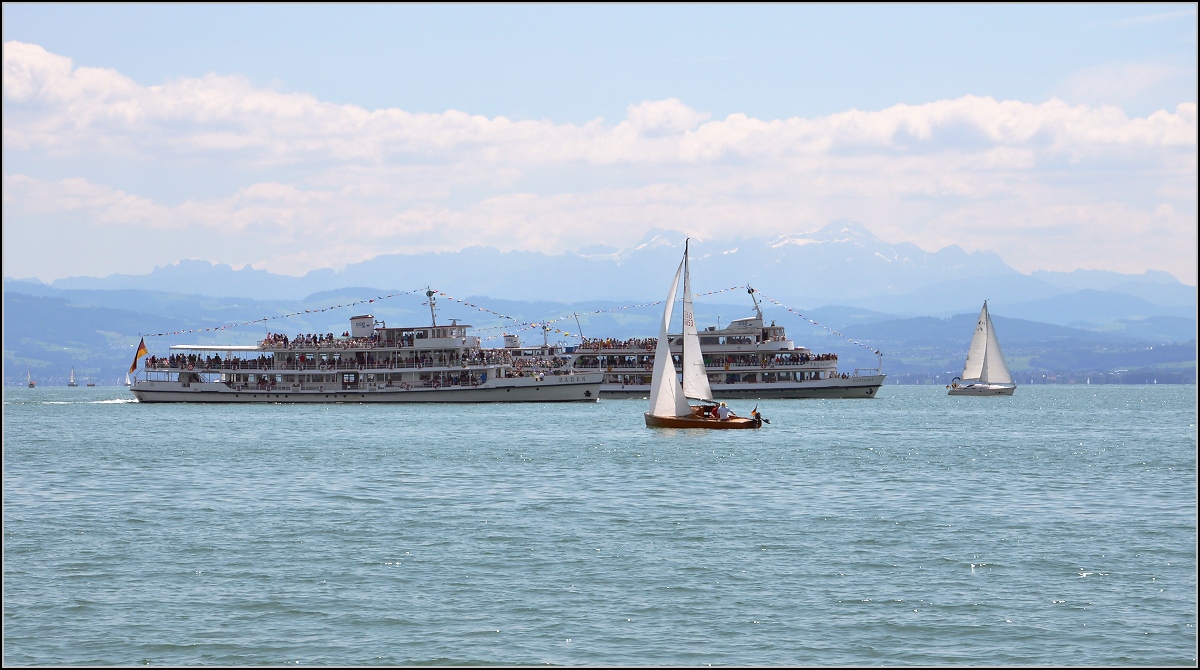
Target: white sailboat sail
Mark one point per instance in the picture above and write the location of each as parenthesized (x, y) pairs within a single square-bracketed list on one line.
[(666, 393), (995, 370), (985, 362), (695, 376), (977, 354)]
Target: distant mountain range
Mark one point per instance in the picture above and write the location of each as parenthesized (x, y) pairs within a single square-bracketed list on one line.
[(840, 264)]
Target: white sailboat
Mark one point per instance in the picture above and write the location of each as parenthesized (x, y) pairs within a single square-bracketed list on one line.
[(29, 376), (985, 372), (669, 406), (72, 382), (128, 381)]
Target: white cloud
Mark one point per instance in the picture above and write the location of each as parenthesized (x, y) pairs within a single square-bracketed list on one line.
[(361, 182)]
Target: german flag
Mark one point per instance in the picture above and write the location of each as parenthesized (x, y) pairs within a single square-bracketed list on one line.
[(141, 351)]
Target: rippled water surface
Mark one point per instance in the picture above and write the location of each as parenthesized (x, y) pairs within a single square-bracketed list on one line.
[(1056, 527)]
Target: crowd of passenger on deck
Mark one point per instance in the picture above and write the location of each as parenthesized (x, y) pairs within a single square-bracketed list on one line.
[(612, 343), (317, 341), (210, 362), (333, 361), (710, 361)]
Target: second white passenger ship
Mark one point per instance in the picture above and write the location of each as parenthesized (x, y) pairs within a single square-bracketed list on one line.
[(369, 363), (745, 360)]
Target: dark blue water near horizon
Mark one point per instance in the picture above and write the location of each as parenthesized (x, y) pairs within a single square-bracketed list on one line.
[(1056, 527)]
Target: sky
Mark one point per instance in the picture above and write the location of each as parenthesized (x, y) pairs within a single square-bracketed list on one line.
[(304, 136)]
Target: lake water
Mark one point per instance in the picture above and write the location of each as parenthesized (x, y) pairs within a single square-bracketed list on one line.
[(1056, 527)]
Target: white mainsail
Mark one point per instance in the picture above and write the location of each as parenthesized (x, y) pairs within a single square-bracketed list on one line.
[(695, 376), (666, 393), (977, 354), (985, 362), (995, 370)]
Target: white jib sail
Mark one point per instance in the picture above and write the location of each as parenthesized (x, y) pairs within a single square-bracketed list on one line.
[(695, 376), (666, 393), (995, 370), (977, 354)]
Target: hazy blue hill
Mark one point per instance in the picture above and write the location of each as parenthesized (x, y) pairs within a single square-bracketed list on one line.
[(1165, 329), (953, 334), (49, 336), (839, 317), (1091, 308), (1168, 357), (1159, 294), (1103, 280), (958, 294), (200, 277)]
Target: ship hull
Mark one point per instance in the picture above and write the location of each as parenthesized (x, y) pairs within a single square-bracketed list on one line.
[(552, 389), (853, 387)]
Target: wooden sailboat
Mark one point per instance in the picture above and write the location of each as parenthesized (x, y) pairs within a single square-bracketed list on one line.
[(669, 407), (985, 372), (72, 382)]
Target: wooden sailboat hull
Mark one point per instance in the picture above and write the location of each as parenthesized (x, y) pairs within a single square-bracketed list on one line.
[(733, 422)]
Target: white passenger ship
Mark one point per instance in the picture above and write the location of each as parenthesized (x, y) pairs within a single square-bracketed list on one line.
[(748, 359), (369, 363)]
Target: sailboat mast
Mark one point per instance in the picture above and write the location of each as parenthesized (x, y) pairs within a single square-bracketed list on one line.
[(987, 333), (695, 376), (687, 310)]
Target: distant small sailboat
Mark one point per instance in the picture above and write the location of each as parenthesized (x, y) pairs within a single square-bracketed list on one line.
[(985, 372), (91, 383), (72, 381), (128, 382), (29, 376)]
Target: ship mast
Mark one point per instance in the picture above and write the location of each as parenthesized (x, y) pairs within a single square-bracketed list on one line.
[(432, 301), (757, 310)]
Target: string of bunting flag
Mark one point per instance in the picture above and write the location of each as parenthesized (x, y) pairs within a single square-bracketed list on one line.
[(820, 325), (526, 325), (284, 316), (517, 323)]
